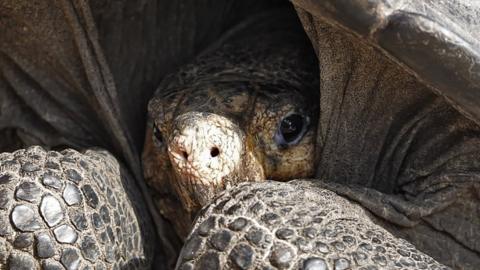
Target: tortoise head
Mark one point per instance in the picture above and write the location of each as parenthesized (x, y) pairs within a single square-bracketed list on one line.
[(216, 123), (203, 140)]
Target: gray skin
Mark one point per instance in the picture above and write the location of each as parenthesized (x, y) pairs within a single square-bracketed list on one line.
[(71, 210), (423, 150), (261, 226)]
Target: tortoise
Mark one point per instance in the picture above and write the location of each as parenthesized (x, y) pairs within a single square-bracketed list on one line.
[(394, 159)]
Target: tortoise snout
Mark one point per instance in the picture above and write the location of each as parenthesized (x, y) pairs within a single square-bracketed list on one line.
[(205, 147), (179, 149)]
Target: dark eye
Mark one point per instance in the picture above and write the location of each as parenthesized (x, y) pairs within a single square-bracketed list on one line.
[(291, 130), (157, 134)]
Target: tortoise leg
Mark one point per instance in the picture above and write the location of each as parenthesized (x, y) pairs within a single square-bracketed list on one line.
[(71, 210), (295, 225)]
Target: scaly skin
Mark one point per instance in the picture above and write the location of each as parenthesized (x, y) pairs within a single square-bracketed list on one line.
[(71, 210), (295, 225)]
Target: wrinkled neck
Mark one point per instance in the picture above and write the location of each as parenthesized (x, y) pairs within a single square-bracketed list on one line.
[(371, 111)]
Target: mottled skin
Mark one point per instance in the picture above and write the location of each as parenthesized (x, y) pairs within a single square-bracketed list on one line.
[(230, 100)]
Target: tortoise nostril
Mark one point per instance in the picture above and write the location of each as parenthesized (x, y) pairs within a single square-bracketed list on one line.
[(214, 152), (185, 154)]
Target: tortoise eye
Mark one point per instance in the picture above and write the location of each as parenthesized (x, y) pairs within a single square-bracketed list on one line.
[(291, 130), (157, 134)]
